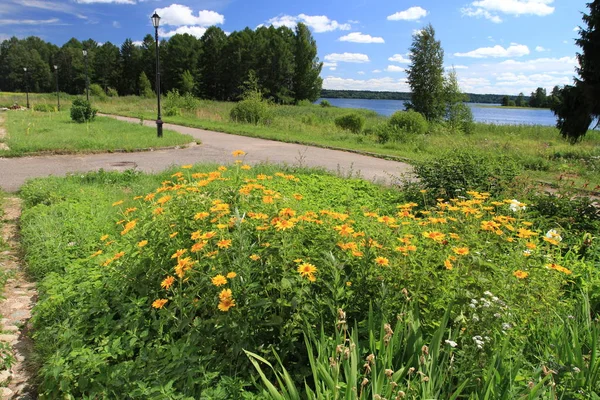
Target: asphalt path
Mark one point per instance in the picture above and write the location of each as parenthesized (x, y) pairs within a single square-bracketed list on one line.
[(215, 147)]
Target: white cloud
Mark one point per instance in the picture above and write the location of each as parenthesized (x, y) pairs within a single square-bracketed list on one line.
[(399, 58), (394, 68), (416, 32), (319, 23), (376, 84), (514, 50), (411, 14), (358, 37), (332, 68), (330, 64), (196, 31), (178, 15), (456, 67), (376, 71), (29, 21), (540, 49), (361, 72), (576, 29), (490, 8), (105, 1), (347, 57), (138, 43)]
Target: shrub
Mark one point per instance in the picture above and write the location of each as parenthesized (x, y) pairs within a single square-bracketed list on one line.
[(409, 121), (389, 133), (252, 110), (82, 111), (305, 103), (325, 103), (97, 91), (174, 100), (351, 122), (172, 111), (111, 92), (454, 172), (44, 108)]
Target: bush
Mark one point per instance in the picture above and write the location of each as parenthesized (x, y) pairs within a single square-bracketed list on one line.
[(252, 110), (174, 100), (325, 103), (82, 111), (389, 133), (351, 122), (409, 121), (112, 92), (44, 108), (172, 111), (97, 91), (453, 173)]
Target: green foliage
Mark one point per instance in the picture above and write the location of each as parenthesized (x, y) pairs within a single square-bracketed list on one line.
[(176, 101), (351, 122), (82, 111), (459, 117), (44, 108), (145, 86), (253, 109), (111, 92), (409, 121), (97, 91), (325, 103), (187, 82), (425, 75), (307, 68), (453, 173)]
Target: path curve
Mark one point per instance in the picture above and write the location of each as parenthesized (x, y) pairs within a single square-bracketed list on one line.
[(216, 147)]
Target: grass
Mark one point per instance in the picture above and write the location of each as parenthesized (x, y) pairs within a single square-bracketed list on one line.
[(540, 150), (31, 132)]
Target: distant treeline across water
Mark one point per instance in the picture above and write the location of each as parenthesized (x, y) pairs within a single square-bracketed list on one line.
[(372, 95)]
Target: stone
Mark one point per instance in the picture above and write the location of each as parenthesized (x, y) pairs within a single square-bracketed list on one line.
[(6, 393), (8, 338), (5, 375)]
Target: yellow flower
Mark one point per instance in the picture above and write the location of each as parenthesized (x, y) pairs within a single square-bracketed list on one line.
[(254, 257), (267, 199), (348, 283), (167, 282), (525, 233), (142, 243), (219, 280), (344, 230), (530, 245), (237, 153), (129, 226), (188, 166), (384, 262), (521, 274), (198, 246), (245, 167), (559, 268), (461, 251), (130, 210), (222, 168), (437, 236), (178, 253), (201, 215), (160, 303), (163, 199), (284, 224), (96, 253), (172, 235), (117, 203), (104, 237), (231, 275), (119, 255), (226, 304), (158, 211), (298, 196), (224, 244), (447, 264), (306, 269)]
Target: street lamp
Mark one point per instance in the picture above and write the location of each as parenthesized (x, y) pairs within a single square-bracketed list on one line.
[(87, 88), (159, 123), (56, 78), (26, 85)]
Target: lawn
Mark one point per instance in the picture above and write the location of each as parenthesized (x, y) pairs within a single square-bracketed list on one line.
[(32, 132), (540, 150), (183, 285)]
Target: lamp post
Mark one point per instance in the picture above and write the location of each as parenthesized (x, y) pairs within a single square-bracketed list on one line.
[(87, 88), (159, 123), (26, 85), (56, 78)]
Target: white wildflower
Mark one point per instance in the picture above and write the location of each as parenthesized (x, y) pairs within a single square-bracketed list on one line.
[(516, 205)]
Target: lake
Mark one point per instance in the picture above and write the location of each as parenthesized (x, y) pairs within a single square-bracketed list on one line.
[(481, 112)]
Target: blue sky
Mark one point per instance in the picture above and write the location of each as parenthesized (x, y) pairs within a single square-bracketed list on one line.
[(496, 46)]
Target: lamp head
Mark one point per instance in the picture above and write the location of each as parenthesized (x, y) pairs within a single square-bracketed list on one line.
[(155, 20)]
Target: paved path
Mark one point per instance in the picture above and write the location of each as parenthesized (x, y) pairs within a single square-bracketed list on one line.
[(215, 147)]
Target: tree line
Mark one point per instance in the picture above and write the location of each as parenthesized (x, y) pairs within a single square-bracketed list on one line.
[(216, 66), (538, 99)]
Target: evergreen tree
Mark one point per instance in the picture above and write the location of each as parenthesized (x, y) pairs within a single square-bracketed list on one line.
[(425, 74), (145, 86), (307, 82), (181, 54), (130, 69), (520, 100), (505, 101), (106, 66), (579, 105), (239, 56), (187, 82), (212, 77)]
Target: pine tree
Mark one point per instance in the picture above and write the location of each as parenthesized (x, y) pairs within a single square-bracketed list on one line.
[(426, 74), (307, 82), (579, 105)]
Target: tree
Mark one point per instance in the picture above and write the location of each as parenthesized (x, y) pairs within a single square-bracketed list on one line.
[(505, 101), (538, 98), (212, 78), (106, 66), (145, 86), (129, 68), (458, 115), (425, 74), (187, 82), (520, 100), (307, 82), (579, 105)]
